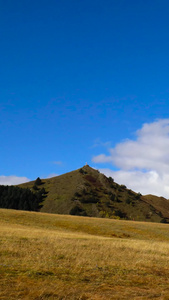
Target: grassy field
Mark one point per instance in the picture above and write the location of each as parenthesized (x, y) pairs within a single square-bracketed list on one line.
[(45, 256)]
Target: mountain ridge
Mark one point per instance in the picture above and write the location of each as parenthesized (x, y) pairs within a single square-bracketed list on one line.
[(87, 192)]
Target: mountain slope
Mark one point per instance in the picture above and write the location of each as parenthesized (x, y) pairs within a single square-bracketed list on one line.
[(87, 192)]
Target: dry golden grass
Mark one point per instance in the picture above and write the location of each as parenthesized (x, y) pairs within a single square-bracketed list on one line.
[(45, 256)]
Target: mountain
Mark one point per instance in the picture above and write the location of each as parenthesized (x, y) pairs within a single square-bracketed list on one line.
[(87, 192)]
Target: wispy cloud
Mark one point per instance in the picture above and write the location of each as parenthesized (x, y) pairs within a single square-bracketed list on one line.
[(12, 180), (58, 162), (99, 143), (52, 175), (143, 163)]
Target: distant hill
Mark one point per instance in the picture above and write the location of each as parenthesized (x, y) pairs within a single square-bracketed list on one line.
[(87, 192)]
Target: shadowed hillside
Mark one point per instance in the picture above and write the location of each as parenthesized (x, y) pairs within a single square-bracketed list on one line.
[(87, 192)]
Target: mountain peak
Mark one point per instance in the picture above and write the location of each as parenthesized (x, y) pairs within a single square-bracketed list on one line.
[(87, 192)]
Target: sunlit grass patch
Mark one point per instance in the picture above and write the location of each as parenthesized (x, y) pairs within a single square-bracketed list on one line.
[(57, 257)]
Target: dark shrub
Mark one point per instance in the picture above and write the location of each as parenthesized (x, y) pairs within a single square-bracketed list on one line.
[(128, 201), (38, 181), (77, 211), (35, 188), (123, 186), (163, 220), (113, 197), (138, 196), (119, 213)]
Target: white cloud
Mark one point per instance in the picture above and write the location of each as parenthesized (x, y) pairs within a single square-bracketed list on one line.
[(102, 158), (145, 182), (12, 180), (144, 162)]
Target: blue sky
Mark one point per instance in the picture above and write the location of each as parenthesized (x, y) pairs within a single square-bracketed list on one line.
[(78, 79)]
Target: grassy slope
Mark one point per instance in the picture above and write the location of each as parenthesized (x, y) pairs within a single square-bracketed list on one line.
[(91, 191), (159, 203), (47, 256)]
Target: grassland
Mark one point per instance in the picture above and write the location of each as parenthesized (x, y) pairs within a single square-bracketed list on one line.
[(47, 256)]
